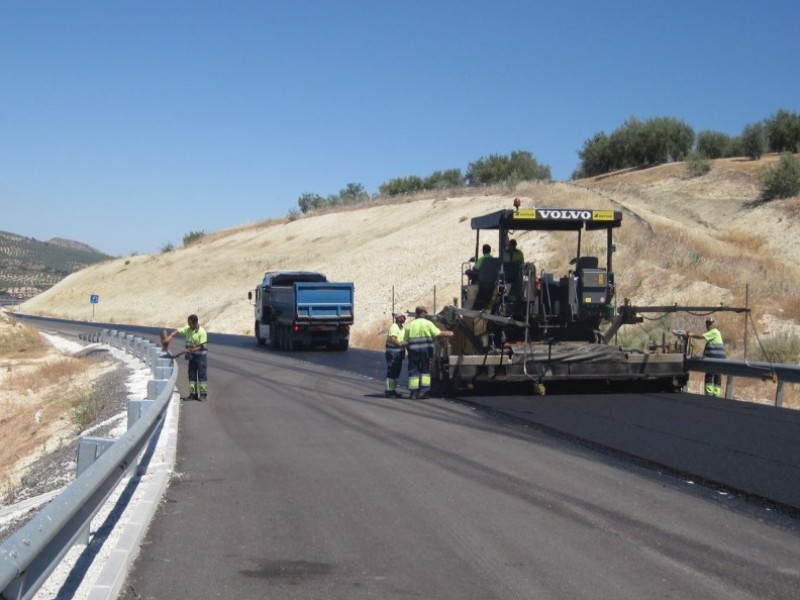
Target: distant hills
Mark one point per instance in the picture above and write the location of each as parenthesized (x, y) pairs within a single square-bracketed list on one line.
[(29, 266)]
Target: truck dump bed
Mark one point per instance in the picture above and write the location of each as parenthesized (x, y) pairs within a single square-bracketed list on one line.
[(320, 301)]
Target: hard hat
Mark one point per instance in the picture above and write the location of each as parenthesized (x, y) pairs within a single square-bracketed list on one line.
[(709, 321)]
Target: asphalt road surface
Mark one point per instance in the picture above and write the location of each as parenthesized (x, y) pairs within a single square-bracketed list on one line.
[(299, 480)]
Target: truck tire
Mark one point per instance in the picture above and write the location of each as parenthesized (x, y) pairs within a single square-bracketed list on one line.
[(278, 329), (286, 339), (343, 345), (273, 334)]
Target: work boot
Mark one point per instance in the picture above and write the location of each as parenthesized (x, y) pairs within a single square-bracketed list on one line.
[(424, 395), (413, 394), (203, 397)]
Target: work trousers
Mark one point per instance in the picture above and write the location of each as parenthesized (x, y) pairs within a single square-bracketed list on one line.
[(713, 383), (419, 370), (198, 367), (394, 365)]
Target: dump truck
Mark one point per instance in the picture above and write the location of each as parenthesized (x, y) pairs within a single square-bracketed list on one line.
[(520, 324), (295, 309)]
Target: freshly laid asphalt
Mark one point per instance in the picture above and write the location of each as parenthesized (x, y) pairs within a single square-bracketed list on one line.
[(744, 448), (748, 448)]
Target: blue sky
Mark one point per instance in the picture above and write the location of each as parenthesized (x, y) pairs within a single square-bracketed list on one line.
[(126, 125)]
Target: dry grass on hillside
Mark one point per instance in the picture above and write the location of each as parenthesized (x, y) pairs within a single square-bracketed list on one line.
[(18, 341), (688, 240), (45, 398)]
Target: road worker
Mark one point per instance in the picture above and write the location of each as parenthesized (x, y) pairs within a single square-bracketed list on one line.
[(395, 353), (419, 343), (513, 254), (487, 253), (715, 348), (196, 353), (473, 273)]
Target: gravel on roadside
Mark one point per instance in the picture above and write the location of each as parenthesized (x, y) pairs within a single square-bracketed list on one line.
[(58, 468)]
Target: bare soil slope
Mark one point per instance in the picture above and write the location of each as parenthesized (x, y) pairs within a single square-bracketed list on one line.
[(411, 250)]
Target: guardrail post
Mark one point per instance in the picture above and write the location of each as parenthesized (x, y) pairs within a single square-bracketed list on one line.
[(138, 347), (729, 387), (130, 347), (136, 408), (779, 394), (155, 387), (89, 450), (155, 355), (163, 368)]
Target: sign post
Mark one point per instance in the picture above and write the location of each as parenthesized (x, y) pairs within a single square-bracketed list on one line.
[(94, 299)]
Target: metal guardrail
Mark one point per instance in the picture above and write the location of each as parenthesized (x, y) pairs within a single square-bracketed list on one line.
[(779, 373), (29, 556)]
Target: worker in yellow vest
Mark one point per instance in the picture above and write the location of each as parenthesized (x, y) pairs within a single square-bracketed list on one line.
[(196, 353), (419, 337), (395, 353), (715, 348)]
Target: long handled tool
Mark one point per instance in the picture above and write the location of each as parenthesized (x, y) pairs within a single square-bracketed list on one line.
[(165, 345)]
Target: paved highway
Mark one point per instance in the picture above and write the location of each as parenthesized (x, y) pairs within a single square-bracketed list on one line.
[(299, 480)]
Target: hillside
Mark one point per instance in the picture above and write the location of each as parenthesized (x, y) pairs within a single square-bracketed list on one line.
[(688, 240), (29, 266)]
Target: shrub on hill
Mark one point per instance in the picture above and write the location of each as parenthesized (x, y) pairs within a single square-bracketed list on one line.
[(192, 237), (697, 164), (451, 178), (783, 131), (782, 180), (754, 141), (519, 166), (636, 144), (781, 348), (714, 144)]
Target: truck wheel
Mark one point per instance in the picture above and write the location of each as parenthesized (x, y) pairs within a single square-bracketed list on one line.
[(343, 345), (273, 334), (288, 344), (279, 337)]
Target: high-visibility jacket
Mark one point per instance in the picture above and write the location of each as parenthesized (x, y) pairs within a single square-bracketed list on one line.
[(514, 257), (419, 336), (714, 345), (480, 260), (395, 331), (194, 337)]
